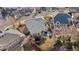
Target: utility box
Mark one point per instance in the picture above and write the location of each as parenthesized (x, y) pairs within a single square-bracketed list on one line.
[(10, 42)]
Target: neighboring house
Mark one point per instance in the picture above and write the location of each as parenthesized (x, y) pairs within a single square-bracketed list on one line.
[(13, 31), (10, 39), (10, 42), (61, 19)]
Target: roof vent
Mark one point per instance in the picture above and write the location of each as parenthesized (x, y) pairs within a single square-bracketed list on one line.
[(57, 23)]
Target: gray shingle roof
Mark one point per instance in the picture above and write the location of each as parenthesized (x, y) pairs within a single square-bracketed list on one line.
[(8, 39), (36, 25)]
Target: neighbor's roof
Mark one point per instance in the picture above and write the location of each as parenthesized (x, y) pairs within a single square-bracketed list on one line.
[(62, 18), (8, 38), (13, 31)]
